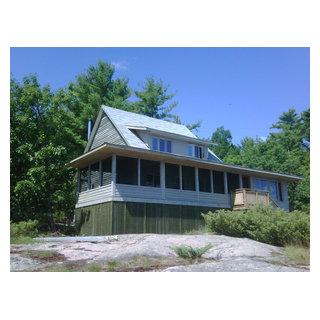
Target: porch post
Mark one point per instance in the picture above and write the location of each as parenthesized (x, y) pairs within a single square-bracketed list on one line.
[(211, 181), (113, 174), (139, 171), (225, 183), (163, 179), (180, 176), (197, 178), (240, 181)]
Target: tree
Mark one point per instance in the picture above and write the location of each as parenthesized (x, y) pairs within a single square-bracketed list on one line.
[(41, 140), (224, 147), (93, 88), (152, 99)]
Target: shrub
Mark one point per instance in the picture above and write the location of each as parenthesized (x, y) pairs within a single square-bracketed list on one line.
[(262, 223), (24, 229), (188, 252)]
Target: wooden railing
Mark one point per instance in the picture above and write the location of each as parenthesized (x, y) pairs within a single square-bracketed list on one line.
[(241, 198)]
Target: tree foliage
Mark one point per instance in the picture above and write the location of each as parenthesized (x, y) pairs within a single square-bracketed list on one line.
[(286, 150), (49, 128)]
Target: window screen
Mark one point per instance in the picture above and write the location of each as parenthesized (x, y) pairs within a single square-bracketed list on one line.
[(188, 178), (127, 170), (172, 176), (218, 182), (84, 179), (204, 180), (94, 178), (233, 181), (190, 150), (106, 171), (150, 173)]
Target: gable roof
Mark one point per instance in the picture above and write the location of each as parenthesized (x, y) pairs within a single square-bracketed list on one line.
[(124, 119)]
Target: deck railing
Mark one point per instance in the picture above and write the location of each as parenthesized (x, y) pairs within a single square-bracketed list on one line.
[(241, 198)]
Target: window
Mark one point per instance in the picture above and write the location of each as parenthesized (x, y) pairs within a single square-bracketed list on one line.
[(188, 178), (204, 180), (94, 175), (196, 152), (154, 144), (127, 170), (162, 144), (106, 171), (150, 173), (262, 185), (274, 190), (280, 191), (172, 176), (169, 146), (218, 182), (233, 181), (83, 179), (190, 153)]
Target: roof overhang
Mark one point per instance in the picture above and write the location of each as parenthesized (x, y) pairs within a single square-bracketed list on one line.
[(170, 135), (107, 150)]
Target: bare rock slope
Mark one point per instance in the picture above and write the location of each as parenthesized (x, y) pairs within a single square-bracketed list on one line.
[(226, 254)]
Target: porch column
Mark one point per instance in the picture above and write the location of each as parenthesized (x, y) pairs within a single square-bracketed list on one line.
[(225, 183), (139, 171), (113, 173), (163, 179), (197, 178), (180, 176), (240, 181), (211, 181)]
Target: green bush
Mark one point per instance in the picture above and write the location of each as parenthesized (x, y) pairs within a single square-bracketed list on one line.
[(262, 223), (24, 229)]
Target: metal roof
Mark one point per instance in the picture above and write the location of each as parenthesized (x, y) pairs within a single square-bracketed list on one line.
[(124, 119)]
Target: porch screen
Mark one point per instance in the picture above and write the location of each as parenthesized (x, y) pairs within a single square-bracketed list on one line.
[(94, 178), (204, 180), (188, 178), (218, 182), (172, 176), (233, 181), (127, 170), (106, 166), (150, 173), (83, 179)]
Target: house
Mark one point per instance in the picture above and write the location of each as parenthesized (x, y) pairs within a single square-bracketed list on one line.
[(140, 174)]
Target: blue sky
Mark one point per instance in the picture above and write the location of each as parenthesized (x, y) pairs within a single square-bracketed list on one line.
[(243, 89)]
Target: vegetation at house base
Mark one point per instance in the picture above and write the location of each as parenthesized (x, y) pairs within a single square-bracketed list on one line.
[(285, 151), (262, 223)]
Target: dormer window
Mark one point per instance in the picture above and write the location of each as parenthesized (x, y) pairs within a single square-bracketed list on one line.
[(161, 145), (195, 151)]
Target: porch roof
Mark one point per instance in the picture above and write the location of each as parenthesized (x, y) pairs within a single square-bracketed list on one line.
[(109, 149)]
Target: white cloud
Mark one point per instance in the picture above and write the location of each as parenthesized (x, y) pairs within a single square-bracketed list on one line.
[(120, 65)]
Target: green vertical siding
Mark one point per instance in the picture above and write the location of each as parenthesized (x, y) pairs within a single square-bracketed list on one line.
[(135, 217)]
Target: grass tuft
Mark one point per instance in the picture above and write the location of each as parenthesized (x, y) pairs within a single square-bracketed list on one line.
[(298, 255), (188, 252)]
